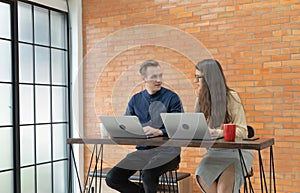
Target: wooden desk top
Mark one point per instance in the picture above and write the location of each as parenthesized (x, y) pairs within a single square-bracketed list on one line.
[(258, 144)]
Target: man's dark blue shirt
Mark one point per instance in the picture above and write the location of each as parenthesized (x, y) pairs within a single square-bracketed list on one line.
[(148, 107)]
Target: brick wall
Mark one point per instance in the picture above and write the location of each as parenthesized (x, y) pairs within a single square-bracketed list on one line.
[(257, 43)]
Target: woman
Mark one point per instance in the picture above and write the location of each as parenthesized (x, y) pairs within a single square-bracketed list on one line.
[(220, 170)]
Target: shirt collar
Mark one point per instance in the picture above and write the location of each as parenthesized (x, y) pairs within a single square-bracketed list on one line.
[(146, 94)]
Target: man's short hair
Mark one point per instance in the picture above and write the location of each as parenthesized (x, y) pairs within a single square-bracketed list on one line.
[(146, 64)]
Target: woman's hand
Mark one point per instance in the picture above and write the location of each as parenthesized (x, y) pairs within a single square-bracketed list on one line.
[(214, 132)]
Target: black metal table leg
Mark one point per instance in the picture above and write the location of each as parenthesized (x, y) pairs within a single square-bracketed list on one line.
[(263, 180), (272, 171), (89, 169), (101, 166), (70, 171), (96, 154), (244, 169)]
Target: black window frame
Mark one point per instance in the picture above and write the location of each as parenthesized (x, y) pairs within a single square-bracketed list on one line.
[(16, 93)]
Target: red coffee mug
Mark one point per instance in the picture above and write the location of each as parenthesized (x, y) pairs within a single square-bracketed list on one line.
[(229, 132)]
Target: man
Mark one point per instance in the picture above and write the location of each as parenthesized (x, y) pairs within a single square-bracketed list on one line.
[(152, 161)]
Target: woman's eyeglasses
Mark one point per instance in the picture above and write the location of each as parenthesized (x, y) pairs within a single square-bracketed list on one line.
[(197, 78)]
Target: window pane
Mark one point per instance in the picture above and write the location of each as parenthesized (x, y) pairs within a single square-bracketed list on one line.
[(5, 62), (60, 177), (59, 67), (43, 143), (27, 145), (25, 22), (42, 104), (44, 178), (41, 26), (26, 63), (26, 104), (42, 65), (27, 180), (59, 104), (5, 104), (59, 141), (7, 179), (58, 30), (6, 154), (5, 20)]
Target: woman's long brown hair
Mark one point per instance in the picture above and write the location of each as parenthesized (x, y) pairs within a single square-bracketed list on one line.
[(213, 94)]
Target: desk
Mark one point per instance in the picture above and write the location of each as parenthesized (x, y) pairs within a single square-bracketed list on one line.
[(258, 145)]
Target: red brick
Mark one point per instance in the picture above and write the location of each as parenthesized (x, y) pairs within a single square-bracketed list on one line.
[(176, 10), (256, 41)]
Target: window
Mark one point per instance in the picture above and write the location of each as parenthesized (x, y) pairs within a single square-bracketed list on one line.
[(34, 98)]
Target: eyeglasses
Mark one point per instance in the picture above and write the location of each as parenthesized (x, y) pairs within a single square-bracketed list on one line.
[(197, 78)]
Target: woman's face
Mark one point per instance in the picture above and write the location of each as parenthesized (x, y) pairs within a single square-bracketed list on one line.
[(198, 78)]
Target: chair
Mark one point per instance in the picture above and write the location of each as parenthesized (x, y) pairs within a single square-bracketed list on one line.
[(250, 173), (250, 131), (168, 181), (175, 182)]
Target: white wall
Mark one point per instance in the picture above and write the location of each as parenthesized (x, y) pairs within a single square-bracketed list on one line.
[(76, 43), (57, 4)]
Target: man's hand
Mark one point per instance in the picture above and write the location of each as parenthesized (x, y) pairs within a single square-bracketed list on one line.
[(152, 131)]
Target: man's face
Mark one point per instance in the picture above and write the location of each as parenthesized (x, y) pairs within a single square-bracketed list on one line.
[(153, 79)]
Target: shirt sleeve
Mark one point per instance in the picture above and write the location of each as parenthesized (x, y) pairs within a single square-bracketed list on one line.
[(237, 113), (175, 105), (129, 108)]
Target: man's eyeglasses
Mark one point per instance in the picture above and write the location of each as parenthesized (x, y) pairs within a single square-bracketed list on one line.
[(197, 78)]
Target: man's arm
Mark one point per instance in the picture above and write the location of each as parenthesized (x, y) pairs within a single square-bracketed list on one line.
[(129, 109), (175, 106)]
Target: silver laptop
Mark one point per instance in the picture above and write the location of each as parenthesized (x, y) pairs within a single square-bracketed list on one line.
[(186, 126), (123, 127)]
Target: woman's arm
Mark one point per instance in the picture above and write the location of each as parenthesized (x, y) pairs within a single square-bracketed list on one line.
[(238, 116), (237, 113)]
